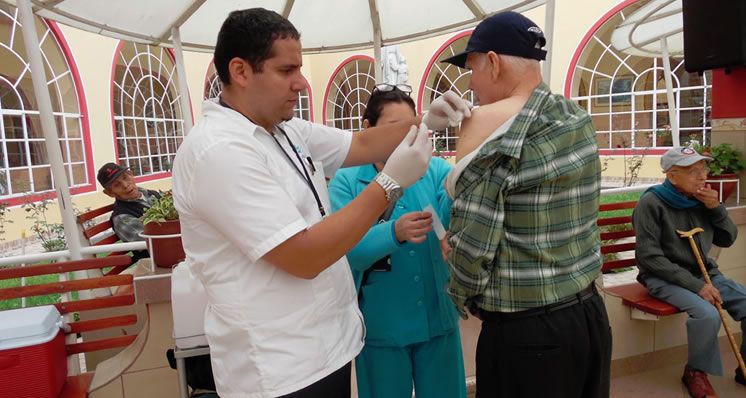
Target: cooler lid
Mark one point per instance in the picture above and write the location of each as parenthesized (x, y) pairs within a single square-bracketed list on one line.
[(25, 327)]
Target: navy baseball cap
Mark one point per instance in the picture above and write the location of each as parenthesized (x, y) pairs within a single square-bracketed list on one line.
[(508, 33), (108, 173)]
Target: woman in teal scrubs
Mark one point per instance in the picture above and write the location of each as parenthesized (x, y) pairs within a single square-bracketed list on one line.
[(412, 338)]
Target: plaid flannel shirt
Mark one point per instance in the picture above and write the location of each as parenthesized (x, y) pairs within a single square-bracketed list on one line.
[(129, 228), (523, 222)]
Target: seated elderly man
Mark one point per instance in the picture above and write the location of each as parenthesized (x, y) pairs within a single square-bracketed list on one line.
[(669, 268), (130, 201)]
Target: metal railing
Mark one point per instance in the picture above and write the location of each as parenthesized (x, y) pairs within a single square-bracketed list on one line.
[(65, 254)]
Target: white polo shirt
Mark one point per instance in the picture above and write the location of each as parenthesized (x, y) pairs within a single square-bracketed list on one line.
[(238, 196)]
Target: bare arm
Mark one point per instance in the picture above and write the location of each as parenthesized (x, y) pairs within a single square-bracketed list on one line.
[(311, 251), (375, 144), (483, 122)]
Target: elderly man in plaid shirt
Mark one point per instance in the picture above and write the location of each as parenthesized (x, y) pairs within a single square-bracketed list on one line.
[(524, 247)]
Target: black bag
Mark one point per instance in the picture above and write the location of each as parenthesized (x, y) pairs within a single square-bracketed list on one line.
[(198, 371)]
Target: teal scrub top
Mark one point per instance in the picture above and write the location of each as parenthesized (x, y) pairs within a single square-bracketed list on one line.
[(408, 304)]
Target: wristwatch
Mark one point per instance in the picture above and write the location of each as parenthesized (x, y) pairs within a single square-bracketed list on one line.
[(391, 187)]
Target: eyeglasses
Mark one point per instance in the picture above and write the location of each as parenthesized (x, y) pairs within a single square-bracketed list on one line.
[(385, 87), (692, 171)]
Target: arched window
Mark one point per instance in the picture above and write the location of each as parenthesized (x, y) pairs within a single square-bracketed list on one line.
[(147, 114), (347, 93), (24, 164), (626, 95), (303, 109), (441, 77), (213, 86)]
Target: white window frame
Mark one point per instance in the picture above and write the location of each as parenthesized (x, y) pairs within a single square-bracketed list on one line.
[(436, 76), (63, 117), (360, 82), (168, 131), (624, 69)]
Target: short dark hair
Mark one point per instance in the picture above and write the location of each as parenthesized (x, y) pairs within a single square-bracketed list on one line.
[(249, 34), (379, 99)]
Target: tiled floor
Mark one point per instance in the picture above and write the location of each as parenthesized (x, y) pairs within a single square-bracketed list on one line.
[(666, 382)]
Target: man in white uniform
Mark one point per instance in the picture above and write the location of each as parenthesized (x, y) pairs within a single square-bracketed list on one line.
[(282, 319)]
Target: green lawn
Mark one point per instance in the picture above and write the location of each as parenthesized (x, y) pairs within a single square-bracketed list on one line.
[(35, 300), (619, 197)]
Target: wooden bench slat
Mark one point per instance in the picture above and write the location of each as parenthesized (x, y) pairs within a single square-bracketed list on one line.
[(63, 267), (107, 241), (63, 287), (636, 295), (618, 248), (89, 215), (614, 220), (102, 344), (618, 235), (117, 270), (96, 229), (616, 264), (77, 386), (103, 323), (96, 303), (617, 206)]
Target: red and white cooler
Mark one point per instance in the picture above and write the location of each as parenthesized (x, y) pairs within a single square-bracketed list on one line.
[(32, 353)]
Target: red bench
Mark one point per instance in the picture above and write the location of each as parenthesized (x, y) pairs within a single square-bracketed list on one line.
[(90, 229), (77, 385), (619, 232)]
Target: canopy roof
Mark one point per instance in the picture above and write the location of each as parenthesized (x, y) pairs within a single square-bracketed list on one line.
[(325, 25), (641, 32)]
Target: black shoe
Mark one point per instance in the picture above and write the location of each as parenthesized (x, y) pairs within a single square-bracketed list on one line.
[(739, 377)]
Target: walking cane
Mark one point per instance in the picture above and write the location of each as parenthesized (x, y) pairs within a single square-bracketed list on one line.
[(690, 235)]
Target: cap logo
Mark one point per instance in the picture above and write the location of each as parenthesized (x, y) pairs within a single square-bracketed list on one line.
[(688, 151), (111, 171), (535, 29)]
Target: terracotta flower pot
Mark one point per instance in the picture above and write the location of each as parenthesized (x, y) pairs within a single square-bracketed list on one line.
[(728, 187), (164, 252)]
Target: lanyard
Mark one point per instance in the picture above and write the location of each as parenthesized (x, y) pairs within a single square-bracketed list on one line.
[(303, 174)]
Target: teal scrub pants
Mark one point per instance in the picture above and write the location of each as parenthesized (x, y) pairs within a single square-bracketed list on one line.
[(434, 368)]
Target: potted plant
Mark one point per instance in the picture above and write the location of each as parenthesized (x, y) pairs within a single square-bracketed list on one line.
[(726, 163), (163, 232), (664, 137)]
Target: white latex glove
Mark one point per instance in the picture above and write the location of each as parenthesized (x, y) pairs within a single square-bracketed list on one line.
[(410, 159), (447, 110)]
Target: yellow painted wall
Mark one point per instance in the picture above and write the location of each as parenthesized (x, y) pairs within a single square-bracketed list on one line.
[(94, 55)]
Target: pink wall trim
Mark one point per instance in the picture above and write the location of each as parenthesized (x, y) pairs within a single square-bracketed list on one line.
[(331, 79), (587, 38), (148, 177), (632, 152), (430, 63), (207, 77), (84, 123)]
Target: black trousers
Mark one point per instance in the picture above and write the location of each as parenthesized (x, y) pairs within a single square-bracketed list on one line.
[(559, 354), (336, 385)]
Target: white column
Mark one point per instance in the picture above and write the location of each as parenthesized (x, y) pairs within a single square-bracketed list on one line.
[(186, 109), (52, 142), (49, 128), (377, 55), (669, 92), (549, 35)]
